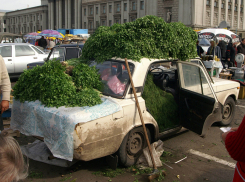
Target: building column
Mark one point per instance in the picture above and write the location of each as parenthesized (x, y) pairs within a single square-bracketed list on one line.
[(226, 10), (243, 18), (52, 15), (232, 14), (212, 13), (57, 14), (79, 14), (60, 13), (49, 15), (69, 14), (238, 15), (66, 13), (204, 13), (219, 12)]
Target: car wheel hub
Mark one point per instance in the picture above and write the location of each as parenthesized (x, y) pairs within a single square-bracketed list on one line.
[(227, 111), (134, 144)]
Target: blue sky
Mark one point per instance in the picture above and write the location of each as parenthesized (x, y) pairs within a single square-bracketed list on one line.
[(18, 4)]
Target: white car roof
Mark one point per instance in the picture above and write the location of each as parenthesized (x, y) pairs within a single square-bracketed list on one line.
[(8, 44)]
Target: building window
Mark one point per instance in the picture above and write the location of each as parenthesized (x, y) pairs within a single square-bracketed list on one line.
[(103, 23), (110, 8), (222, 5), (241, 2), (241, 9), (208, 2), (97, 24), (235, 8), (84, 11), (34, 29), (41, 17), (142, 5), (117, 21), (215, 4), (91, 25), (118, 7), (91, 11), (34, 20), (103, 9), (37, 17), (133, 6), (125, 7), (125, 21), (110, 22), (229, 7), (97, 10), (41, 28), (85, 25)]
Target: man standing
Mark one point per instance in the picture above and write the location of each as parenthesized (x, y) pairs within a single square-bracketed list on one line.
[(5, 87), (241, 47), (199, 49), (42, 42), (211, 50), (51, 44), (230, 55)]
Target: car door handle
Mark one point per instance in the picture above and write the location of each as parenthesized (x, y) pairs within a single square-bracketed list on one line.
[(9, 59), (35, 58)]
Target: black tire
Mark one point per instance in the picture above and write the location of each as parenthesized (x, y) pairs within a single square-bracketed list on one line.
[(228, 111), (132, 146)]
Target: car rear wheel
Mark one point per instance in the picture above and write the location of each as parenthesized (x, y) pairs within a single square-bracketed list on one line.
[(132, 146), (228, 111)]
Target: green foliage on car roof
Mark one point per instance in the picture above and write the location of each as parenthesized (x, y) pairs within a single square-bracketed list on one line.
[(149, 37), (51, 85)]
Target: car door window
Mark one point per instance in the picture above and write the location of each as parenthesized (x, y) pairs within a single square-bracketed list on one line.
[(37, 50), (21, 50), (194, 80), (72, 53), (6, 51)]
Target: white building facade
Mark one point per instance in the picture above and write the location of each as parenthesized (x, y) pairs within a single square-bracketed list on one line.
[(89, 14), (27, 20)]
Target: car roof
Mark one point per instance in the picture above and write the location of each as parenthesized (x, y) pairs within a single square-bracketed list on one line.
[(70, 45), (5, 44)]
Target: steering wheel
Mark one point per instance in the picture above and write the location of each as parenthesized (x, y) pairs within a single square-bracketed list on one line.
[(159, 75)]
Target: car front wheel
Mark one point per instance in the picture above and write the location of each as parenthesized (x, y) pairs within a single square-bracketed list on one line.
[(132, 146), (228, 111)]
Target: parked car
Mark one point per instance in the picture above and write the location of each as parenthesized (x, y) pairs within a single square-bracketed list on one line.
[(17, 55), (201, 102), (62, 52)]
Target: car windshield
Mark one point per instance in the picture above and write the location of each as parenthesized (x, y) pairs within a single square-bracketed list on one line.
[(114, 76), (57, 52)]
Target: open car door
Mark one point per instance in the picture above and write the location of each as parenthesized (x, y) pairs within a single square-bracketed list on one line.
[(198, 105)]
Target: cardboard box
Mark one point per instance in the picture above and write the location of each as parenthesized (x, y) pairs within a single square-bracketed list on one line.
[(241, 93)]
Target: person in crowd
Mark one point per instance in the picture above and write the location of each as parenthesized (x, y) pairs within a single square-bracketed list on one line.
[(222, 45), (241, 47), (51, 43), (36, 42), (211, 49), (235, 145), (230, 55), (42, 42), (58, 42), (199, 49), (12, 165), (5, 86)]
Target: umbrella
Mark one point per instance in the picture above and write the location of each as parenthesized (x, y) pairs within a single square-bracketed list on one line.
[(51, 33), (204, 42), (32, 35), (220, 34)]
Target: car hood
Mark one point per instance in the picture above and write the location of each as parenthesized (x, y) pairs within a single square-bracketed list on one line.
[(223, 84)]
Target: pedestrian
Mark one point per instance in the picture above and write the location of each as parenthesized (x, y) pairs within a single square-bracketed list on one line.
[(230, 55), (42, 42), (241, 47), (5, 86), (211, 50), (36, 42), (222, 45), (235, 145), (200, 50), (12, 165), (51, 44)]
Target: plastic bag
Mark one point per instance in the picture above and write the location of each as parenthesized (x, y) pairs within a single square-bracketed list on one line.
[(145, 158)]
